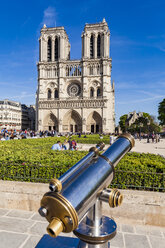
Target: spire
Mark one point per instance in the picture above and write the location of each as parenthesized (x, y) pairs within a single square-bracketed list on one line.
[(104, 20), (44, 26)]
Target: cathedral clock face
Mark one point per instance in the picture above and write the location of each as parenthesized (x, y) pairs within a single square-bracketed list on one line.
[(74, 89)]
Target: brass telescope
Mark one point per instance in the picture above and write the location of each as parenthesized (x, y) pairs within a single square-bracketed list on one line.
[(74, 200)]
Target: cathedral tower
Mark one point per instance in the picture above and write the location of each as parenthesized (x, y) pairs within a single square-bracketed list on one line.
[(75, 95)]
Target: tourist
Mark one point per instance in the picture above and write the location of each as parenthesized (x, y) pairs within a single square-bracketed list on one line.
[(74, 145), (157, 138), (111, 139), (153, 137), (65, 145), (57, 146)]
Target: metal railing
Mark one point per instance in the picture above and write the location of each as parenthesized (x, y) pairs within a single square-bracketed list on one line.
[(123, 179)]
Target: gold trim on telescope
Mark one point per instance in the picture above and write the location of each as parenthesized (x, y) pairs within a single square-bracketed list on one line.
[(129, 137), (59, 210), (115, 198), (55, 227), (96, 150), (57, 183)]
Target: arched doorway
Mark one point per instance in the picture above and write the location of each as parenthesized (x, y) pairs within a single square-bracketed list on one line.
[(94, 123), (72, 122), (51, 123)]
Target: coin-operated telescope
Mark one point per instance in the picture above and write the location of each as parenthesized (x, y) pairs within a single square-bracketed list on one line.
[(75, 199)]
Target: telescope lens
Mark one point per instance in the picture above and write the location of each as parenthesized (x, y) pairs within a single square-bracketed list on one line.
[(115, 198), (55, 227)]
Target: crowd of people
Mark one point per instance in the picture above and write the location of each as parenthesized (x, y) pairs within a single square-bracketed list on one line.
[(153, 137), (68, 144), (14, 134)]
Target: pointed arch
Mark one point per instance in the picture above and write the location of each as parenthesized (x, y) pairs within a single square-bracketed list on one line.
[(50, 122), (98, 46), (94, 122), (56, 93), (98, 92), (56, 48), (49, 94), (49, 50), (92, 46), (91, 92), (72, 122)]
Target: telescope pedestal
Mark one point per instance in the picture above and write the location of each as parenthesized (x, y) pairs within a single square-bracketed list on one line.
[(95, 230)]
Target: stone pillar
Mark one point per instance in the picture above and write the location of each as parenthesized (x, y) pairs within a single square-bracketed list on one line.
[(107, 46), (83, 120), (40, 49), (59, 116), (108, 51), (85, 45), (105, 43), (44, 49), (82, 41), (102, 45), (53, 46)]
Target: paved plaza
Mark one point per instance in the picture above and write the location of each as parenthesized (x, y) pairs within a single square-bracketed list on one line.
[(24, 229), (140, 146)]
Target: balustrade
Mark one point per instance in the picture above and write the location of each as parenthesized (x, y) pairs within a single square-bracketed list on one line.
[(73, 70)]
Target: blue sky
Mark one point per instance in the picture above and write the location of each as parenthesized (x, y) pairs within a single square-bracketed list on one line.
[(137, 46)]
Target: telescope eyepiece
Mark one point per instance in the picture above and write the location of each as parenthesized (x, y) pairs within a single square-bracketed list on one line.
[(55, 227)]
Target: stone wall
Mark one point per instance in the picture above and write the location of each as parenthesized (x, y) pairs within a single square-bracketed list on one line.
[(139, 207)]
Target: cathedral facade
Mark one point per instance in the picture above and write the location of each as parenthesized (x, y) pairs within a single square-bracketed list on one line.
[(75, 95)]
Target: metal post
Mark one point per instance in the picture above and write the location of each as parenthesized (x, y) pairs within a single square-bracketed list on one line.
[(95, 230)]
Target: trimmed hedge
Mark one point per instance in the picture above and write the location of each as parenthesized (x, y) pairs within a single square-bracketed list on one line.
[(33, 160)]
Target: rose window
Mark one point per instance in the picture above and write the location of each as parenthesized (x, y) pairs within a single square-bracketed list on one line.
[(74, 89)]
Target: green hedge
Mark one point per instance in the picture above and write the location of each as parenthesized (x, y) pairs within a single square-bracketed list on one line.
[(33, 160)]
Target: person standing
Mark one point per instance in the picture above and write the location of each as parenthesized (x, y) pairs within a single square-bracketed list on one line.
[(111, 139)]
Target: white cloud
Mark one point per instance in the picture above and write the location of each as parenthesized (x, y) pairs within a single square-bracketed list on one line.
[(50, 16), (142, 100)]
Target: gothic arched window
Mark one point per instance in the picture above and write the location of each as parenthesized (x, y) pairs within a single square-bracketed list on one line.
[(91, 46), (91, 92), (49, 50), (49, 94), (98, 92), (98, 46), (56, 93), (56, 49)]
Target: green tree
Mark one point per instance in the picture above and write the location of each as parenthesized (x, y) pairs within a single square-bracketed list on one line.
[(161, 111), (122, 123), (145, 123)]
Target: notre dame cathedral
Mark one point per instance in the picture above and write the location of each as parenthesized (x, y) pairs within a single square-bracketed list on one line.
[(75, 95)]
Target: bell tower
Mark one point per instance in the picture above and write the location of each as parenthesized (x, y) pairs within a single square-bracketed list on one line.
[(53, 44), (96, 41)]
